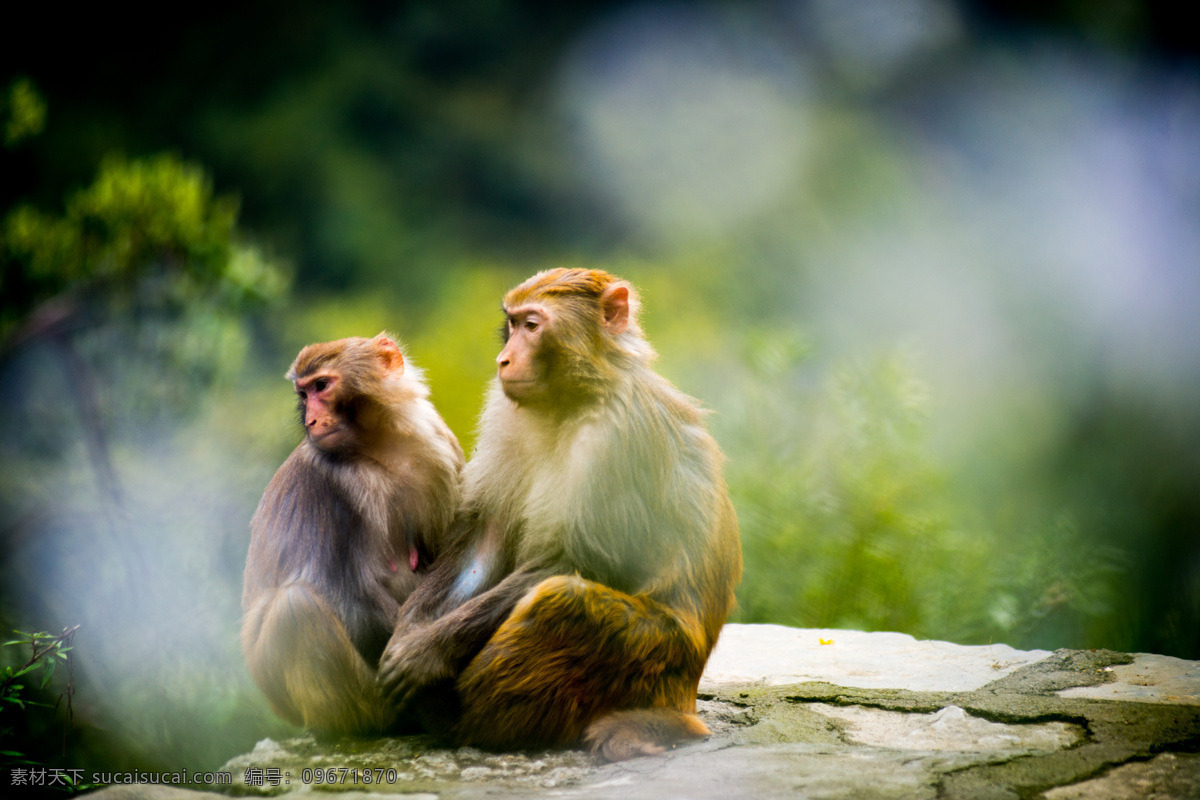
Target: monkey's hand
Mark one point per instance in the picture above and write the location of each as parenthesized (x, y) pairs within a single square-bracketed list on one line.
[(412, 661)]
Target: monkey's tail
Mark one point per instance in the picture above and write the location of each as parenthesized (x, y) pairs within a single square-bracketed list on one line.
[(642, 732)]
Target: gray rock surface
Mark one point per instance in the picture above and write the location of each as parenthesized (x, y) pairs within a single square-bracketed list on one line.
[(1166, 775), (1148, 679), (827, 714), (775, 655), (949, 728)]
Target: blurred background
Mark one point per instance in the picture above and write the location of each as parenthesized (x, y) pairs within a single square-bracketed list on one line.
[(933, 264)]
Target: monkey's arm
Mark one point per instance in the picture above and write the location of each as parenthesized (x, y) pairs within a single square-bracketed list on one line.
[(424, 653), (471, 564)]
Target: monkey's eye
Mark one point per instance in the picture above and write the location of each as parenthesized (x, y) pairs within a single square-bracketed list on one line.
[(531, 325), (303, 395)]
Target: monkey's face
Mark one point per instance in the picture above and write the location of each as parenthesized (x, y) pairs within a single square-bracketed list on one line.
[(522, 365), (324, 423)]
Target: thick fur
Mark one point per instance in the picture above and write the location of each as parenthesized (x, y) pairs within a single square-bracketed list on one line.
[(329, 559), (597, 559)]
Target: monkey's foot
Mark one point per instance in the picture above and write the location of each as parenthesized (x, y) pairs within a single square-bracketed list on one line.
[(643, 732)]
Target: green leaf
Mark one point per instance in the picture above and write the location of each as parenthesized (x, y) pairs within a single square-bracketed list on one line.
[(26, 112)]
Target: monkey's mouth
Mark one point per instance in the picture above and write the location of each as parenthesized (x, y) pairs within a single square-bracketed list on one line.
[(328, 438)]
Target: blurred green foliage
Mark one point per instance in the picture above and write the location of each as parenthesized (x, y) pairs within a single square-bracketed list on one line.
[(120, 317), (146, 233), (849, 521), (144, 272), (411, 161), (23, 112)]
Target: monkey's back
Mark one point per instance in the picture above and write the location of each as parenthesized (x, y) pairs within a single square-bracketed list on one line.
[(305, 531)]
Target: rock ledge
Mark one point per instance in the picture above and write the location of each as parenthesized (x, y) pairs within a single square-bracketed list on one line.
[(830, 714)]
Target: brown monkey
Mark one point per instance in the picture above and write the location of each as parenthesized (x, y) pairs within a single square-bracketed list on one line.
[(343, 529), (596, 550)]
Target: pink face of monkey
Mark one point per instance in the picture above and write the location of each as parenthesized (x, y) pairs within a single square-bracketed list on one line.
[(323, 426), (331, 380), (553, 349), (521, 371)]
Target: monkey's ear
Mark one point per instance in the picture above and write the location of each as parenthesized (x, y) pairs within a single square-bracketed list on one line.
[(389, 353), (614, 303)]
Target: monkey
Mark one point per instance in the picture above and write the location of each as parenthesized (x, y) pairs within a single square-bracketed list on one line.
[(344, 532), (595, 553)]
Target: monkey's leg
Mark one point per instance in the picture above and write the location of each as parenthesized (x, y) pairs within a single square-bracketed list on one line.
[(309, 669), (572, 652)]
